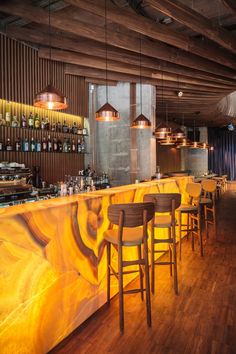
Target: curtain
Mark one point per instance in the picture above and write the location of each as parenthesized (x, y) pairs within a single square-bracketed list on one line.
[(222, 160)]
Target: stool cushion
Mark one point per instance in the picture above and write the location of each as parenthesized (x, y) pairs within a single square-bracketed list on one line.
[(131, 236), (205, 201), (162, 221), (187, 208)]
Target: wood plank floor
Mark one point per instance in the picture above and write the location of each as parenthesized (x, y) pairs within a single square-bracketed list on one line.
[(202, 319)]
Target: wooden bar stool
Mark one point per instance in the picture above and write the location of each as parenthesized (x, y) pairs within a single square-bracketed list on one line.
[(129, 217), (193, 211), (208, 202), (164, 203)]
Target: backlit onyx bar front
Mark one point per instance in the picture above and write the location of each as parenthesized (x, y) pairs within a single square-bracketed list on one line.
[(54, 253)]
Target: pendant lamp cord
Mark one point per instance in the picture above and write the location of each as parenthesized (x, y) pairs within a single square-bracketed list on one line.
[(140, 71), (106, 49), (194, 136), (50, 41)]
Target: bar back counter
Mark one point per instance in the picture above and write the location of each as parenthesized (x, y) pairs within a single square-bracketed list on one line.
[(53, 263)]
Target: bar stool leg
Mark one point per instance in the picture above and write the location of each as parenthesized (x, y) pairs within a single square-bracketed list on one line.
[(200, 233), (192, 233), (140, 271), (206, 221), (175, 261), (180, 238), (187, 225), (121, 295), (170, 251), (152, 260), (108, 272), (148, 298)]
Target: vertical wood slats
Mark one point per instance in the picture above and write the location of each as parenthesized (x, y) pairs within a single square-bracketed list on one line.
[(22, 74)]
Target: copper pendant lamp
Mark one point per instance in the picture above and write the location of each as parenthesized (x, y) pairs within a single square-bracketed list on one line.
[(141, 122), (106, 113), (194, 144), (163, 130), (50, 97)]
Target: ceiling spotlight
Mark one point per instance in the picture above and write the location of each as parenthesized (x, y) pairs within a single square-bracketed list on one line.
[(180, 93)]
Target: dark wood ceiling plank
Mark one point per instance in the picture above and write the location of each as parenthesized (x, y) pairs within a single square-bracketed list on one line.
[(159, 32), (231, 4), (194, 20), (153, 49)]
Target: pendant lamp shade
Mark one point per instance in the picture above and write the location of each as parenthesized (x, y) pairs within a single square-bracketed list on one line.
[(167, 141), (50, 98), (162, 131), (141, 122), (178, 134), (184, 143), (107, 113)]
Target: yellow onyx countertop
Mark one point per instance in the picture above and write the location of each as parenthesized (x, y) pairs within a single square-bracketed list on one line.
[(53, 263)]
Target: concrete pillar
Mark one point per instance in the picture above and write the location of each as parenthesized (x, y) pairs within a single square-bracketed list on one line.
[(114, 148)]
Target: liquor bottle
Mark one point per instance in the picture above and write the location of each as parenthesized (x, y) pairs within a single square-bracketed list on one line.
[(79, 147), (65, 127), (74, 128), (23, 121), (18, 144), (9, 146), (65, 146), (53, 129), (25, 145), (82, 145), (42, 124), (68, 145), (84, 131), (1, 145), (59, 127), (47, 124), (45, 146), (2, 120), (73, 146), (8, 114), (36, 121), (59, 146), (55, 146), (49, 144), (15, 123), (69, 129), (38, 146), (31, 121), (32, 145), (80, 130)]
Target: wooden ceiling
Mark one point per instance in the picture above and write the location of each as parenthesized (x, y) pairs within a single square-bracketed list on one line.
[(187, 45)]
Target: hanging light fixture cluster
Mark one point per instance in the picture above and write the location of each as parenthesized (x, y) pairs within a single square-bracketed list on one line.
[(50, 97), (107, 113)]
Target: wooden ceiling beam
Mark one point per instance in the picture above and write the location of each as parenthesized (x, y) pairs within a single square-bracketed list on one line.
[(71, 69), (99, 63), (93, 48), (194, 20), (153, 49), (231, 4), (159, 32)]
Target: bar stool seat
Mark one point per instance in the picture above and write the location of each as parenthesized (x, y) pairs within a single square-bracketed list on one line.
[(205, 201), (187, 208), (131, 237)]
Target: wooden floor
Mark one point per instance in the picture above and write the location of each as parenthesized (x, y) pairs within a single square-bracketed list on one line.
[(202, 319)]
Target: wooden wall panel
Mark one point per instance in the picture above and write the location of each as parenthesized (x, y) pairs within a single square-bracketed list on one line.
[(168, 158), (22, 74)]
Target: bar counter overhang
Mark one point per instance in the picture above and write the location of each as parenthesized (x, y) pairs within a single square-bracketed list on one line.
[(53, 263)]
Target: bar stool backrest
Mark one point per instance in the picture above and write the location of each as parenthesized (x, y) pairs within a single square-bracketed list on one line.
[(209, 185), (194, 190), (164, 202), (133, 214)]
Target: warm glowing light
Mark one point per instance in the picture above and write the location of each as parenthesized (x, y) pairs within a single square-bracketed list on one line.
[(50, 105)]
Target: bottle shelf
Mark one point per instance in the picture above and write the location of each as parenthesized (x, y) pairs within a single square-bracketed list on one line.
[(44, 152), (47, 132)]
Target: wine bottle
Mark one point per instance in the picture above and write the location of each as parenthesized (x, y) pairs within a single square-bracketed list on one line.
[(8, 114), (65, 146), (25, 145), (79, 147), (49, 144), (23, 121), (18, 144), (36, 121), (32, 145), (74, 128), (65, 127), (38, 146), (2, 120), (1, 145), (55, 146), (73, 146), (59, 146), (44, 144), (31, 121), (9, 146), (15, 123)]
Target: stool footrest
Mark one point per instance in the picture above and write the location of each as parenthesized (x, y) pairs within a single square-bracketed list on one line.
[(159, 251), (129, 263), (168, 240), (133, 291), (164, 263)]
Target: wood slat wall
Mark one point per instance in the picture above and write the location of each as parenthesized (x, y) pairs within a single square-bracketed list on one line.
[(22, 74), (168, 158)]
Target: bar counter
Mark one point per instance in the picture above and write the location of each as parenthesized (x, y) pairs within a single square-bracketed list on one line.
[(53, 263)]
